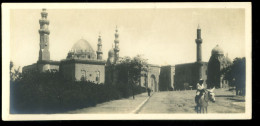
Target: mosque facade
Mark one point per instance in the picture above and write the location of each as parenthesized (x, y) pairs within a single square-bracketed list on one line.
[(83, 63), (187, 75)]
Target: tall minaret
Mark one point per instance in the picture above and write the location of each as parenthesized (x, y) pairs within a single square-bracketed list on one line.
[(44, 32), (198, 41), (116, 49), (99, 46)]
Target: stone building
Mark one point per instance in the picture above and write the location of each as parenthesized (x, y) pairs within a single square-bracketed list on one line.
[(44, 63), (113, 58), (167, 74), (150, 79), (217, 62), (187, 75), (83, 63)]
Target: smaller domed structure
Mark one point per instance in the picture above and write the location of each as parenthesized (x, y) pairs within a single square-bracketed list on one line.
[(111, 56), (111, 53), (217, 51)]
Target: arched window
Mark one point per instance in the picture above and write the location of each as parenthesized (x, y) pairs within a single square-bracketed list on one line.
[(83, 75)]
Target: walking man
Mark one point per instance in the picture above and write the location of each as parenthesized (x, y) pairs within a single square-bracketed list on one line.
[(149, 91)]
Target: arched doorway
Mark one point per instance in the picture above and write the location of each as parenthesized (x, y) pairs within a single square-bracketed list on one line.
[(153, 84)]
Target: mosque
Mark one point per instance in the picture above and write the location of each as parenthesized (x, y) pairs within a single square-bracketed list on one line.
[(83, 63)]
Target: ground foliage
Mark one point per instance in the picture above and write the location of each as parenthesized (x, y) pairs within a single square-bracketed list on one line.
[(49, 92)]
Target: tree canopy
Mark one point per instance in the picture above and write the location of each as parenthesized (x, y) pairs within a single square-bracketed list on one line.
[(235, 74)]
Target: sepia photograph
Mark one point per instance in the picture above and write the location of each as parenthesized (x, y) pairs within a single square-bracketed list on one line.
[(128, 61)]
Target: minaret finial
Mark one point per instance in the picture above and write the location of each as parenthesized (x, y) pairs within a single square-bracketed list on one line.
[(116, 29), (198, 26)]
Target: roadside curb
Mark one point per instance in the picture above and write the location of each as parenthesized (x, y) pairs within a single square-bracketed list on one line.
[(141, 105)]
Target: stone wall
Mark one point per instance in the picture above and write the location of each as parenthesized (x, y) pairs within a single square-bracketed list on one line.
[(166, 80), (153, 74), (91, 72), (87, 70), (42, 66), (187, 75)]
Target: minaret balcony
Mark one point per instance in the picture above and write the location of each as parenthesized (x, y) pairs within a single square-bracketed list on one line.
[(199, 41), (44, 31), (44, 14), (116, 41), (117, 49), (99, 52), (44, 21)]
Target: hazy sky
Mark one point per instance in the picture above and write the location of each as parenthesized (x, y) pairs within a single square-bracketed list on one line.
[(163, 36)]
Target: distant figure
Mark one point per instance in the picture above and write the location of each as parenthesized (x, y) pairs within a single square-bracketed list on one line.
[(149, 91)]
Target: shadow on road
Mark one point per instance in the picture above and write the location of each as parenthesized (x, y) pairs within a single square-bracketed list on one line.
[(224, 96)]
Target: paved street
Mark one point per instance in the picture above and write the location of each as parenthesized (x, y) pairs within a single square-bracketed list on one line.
[(169, 102)]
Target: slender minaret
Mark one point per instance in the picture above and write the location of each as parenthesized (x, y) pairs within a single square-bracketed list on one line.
[(199, 59), (99, 46), (44, 32), (198, 41), (116, 49)]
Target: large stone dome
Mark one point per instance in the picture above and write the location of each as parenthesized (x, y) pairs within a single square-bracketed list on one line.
[(82, 45), (217, 50), (81, 50)]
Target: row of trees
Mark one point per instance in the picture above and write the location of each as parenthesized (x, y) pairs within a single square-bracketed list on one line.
[(50, 92), (235, 74)]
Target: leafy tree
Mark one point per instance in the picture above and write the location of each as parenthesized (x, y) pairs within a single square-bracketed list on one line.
[(15, 74), (130, 71), (235, 74)]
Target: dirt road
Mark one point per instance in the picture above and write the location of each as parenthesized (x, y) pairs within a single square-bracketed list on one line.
[(183, 102), (168, 102)]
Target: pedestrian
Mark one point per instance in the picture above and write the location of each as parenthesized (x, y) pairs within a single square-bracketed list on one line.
[(149, 91)]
